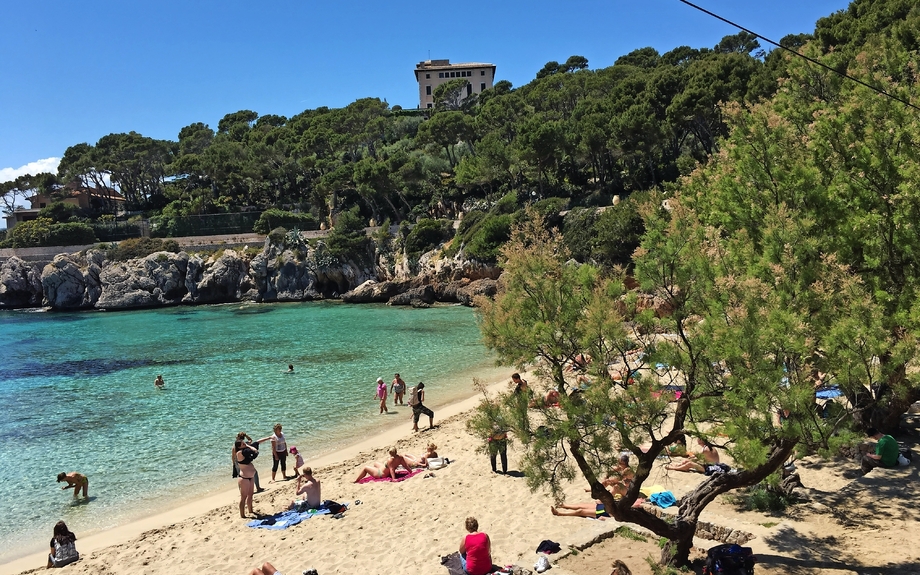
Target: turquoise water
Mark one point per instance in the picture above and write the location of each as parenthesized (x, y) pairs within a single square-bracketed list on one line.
[(78, 395)]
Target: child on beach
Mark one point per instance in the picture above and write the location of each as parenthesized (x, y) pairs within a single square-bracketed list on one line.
[(75, 481), (298, 460), (63, 547)]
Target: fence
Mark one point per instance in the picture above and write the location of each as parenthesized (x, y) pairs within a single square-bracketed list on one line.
[(203, 225), (116, 231)]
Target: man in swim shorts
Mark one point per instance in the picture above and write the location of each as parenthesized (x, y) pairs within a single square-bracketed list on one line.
[(75, 481)]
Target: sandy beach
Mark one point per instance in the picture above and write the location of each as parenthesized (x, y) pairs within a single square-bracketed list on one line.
[(863, 525)]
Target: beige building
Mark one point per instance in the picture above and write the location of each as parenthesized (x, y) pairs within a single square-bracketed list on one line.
[(432, 73)]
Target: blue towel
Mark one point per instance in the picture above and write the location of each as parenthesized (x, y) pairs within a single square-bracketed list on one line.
[(285, 519), (828, 392), (663, 499)]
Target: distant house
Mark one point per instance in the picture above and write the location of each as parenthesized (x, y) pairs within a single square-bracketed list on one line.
[(432, 73), (98, 199)]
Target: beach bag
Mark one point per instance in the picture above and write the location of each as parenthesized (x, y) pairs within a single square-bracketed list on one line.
[(729, 560), (333, 507), (413, 396)]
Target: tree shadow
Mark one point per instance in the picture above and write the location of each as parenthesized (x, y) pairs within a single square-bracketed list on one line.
[(806, 552)]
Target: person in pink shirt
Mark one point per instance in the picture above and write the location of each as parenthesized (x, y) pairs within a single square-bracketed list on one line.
[(475, 550), (382, 395)]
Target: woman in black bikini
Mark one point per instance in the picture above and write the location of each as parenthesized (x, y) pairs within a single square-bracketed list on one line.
[(244, 456)]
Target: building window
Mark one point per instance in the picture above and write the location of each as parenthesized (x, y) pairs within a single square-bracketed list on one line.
[(482, 87), (453, 74), (429, 104), (482, 72), (469, 89), (427, 76), (428, 90), (440, 74)]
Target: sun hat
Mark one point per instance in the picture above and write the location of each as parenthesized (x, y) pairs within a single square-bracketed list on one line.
[(379, 380)]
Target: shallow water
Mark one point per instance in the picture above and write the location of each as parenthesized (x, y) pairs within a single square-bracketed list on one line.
[(77, 394)]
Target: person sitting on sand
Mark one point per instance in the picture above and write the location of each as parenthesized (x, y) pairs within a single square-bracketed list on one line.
[(551, 399), (886, 451), (415, 461), (475, 550), (378, 470), (710, 465), (75, 481), (63, 547), (620, 478), (159, 383), (310, 489), (594, 510)]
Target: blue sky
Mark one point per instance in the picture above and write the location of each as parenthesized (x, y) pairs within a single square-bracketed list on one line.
[(75, 71)]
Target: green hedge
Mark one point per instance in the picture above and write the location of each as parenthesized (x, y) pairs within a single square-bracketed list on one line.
[(139, 248), (275, 218), (44, 232)]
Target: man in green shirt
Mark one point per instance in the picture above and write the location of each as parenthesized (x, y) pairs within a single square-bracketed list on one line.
[(886, 451)]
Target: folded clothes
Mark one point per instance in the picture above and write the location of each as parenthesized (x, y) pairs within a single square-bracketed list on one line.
[(401, 475)]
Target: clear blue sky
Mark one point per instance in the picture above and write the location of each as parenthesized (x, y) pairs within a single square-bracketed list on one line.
[(75, 71)]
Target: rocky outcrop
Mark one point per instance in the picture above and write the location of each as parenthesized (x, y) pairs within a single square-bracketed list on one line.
[(482, 287), (216, 280), (156, 280), (71, 281), (20, 284), (374, 292), (414, 297)]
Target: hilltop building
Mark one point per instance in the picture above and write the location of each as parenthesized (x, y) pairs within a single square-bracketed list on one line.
[(432, 73), (85, 198)]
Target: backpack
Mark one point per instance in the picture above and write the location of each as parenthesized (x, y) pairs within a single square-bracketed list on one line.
[(729, 560), (413, 396)]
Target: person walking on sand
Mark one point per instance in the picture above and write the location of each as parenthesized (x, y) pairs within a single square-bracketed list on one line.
[(159, 383), (398, 387), (244, 456), (75, 481), (418, 408), (63, 547), (381, 394), (311, 489)]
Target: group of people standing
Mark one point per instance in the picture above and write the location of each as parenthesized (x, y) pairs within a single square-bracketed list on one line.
[(398, 389), (245, 451)]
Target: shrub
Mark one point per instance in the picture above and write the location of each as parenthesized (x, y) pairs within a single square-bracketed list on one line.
[(488, 237), (508, 204), (427, 235), (277, 236), (60, 212), (617, 232), (578, 232), (549, 209), (275, 218), (348, 240), (44, 232), (762, 498), (140, 247)]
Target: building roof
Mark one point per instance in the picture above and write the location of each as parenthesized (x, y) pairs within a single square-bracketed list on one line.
[(446, 65)]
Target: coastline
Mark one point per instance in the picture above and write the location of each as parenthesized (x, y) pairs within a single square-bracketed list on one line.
[(123, 533)]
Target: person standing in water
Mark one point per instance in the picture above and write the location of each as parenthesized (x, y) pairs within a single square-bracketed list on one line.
[(75, 481), (381, 394), (398, 387), (159, 383)]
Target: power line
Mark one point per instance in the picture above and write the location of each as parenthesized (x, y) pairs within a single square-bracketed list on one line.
[(812, 60)]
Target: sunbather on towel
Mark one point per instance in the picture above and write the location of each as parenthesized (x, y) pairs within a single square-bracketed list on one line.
[(415, 461), (266, 569), (388, 469), (710, 465)]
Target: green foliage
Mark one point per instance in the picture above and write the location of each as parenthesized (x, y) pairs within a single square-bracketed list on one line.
[(348, 240), (60, 212), (427, 235), (549, 210), (618, 231), (579, 234), (629, 533), (44, 232), (488, 237), (274, 218), (764, 498), (140, 248), (277, 236)]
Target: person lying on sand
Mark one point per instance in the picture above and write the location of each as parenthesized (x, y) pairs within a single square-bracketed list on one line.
[(415, 461), (388, 469), (710, 465), (593, 510)]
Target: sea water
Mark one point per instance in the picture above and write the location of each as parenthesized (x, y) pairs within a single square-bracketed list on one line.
[(77, 394)]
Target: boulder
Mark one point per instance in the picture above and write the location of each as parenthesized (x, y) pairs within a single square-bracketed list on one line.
[(20, 284), (155, 280), (216, 281), (414, 296), (373, 292), (482, 287), (71, 281)]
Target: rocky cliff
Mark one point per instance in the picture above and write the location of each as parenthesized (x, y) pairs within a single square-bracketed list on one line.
[(88, 280)]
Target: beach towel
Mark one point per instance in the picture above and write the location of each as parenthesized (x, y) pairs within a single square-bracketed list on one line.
[(401, 475), (651, 490), (828, 392), (663, 499), (285, 519)]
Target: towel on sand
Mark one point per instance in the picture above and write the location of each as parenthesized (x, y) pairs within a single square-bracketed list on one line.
[(401, 475), (663, 499), (651, 490), (285, 519)]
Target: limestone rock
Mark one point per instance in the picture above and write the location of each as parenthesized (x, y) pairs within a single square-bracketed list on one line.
[(155, 280), (216, 281), (373, 292), (424, 295), (482, 287), (71, 281), (20, 284)]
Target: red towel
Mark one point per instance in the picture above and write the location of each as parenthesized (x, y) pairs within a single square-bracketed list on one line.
[(401, 475)]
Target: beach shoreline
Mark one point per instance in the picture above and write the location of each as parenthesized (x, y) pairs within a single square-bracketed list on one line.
[(220, 497)]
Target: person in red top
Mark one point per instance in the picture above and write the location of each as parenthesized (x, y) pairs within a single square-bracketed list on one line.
[(475, 550)]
